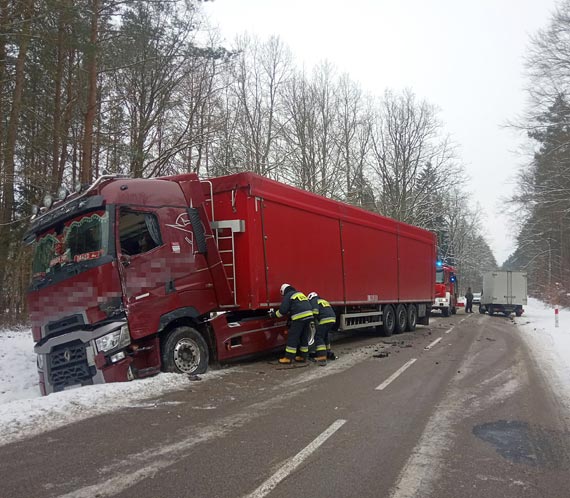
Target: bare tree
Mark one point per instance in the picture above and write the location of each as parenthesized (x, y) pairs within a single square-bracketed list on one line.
[(406, 138), (261, 71)]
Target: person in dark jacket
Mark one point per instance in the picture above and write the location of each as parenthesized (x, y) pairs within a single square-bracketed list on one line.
[(326, 318), (297, 306), (469, 301)]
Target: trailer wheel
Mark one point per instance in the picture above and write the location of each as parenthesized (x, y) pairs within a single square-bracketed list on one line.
[(518, 312), (490, 310), (388, 321), (401, 319), (412, 317), (185, 351)]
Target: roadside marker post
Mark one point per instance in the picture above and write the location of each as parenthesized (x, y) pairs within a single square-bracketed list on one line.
[(556, 315)]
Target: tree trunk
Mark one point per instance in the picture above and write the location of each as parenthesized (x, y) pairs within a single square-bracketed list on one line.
[(86, 162), (56, 136)]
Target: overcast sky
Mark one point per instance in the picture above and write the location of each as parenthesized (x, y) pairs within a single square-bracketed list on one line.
[(465, 57)]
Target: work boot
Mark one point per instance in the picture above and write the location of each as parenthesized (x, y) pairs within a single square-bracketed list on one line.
[(300, 359), (331, 355), (285, 361), (321, 360)]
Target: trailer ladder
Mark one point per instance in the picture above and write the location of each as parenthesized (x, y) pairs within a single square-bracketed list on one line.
[(225, 240)]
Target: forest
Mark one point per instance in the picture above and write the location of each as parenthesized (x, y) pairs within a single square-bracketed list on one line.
[(148, 88), (541, 203)]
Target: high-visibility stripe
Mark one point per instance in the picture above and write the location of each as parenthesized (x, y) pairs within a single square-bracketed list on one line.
[(299, 296), (278, 314), (327, 320), (304, 349), (323, 303), (304, 314), (321, 348), (290, 350)]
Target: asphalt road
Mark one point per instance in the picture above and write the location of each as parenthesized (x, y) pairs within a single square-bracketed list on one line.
[(454, 410)]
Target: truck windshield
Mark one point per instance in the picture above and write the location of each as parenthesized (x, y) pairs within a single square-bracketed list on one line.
[(439, 277), (79, 239)]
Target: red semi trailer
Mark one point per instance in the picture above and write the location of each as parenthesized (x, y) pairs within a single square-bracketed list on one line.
[(134, 275)]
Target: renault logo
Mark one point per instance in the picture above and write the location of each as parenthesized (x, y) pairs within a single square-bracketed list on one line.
[(67, 355)]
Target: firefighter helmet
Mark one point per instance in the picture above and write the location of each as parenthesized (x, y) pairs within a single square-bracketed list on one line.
[(312, 295), (283, 288)]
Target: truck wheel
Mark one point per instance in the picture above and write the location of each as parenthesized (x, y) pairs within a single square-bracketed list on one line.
[(388, 321), (518, 312), (445, 311), (401, 319), (412, 317), (185, 351), (481, 309), (454, 311), (490, 310)]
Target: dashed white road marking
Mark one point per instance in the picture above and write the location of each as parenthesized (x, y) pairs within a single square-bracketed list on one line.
[(295, 461), (429, 346), (396, 374), (449, 330)]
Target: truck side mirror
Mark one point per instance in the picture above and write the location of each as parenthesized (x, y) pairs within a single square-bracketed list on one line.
[(125, 260)]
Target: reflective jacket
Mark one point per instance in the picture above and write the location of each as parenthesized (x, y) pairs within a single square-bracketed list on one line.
[(322, 311), (295, 304)]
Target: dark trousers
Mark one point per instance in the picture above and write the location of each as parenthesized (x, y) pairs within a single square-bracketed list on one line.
[(298, 338), (322, 338), (469, 306)]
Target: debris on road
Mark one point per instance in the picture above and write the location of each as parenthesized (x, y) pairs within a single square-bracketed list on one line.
[(382, 354)]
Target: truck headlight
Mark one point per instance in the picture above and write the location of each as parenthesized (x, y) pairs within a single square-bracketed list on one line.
[(114, 340)]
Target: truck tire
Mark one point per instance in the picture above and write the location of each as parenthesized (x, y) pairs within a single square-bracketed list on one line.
[(445, 312), (401, 319), (482, 309), (518, 312), (185, 351), (388, 321), (490, 309), (412, 318), (454, 310)]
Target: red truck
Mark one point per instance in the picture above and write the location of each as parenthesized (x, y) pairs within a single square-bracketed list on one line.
[(445, 289), (131, 276)]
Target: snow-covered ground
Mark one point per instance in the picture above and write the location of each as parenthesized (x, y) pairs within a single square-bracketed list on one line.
[(24, 413), (550, 345)]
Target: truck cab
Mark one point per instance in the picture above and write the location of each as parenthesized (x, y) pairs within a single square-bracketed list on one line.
[(445, 289), (125, 276)]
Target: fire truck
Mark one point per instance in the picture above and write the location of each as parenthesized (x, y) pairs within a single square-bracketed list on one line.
[(445, 289), (134, 276)]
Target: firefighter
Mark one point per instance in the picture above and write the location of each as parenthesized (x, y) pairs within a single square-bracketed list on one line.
[(297, 306), (326, 318)]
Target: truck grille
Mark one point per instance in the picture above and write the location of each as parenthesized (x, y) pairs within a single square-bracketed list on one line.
[(63, 325), (68, 365)]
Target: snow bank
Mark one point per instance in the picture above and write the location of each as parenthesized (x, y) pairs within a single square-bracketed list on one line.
[(25, 413), (550, 345), (18, 375)]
